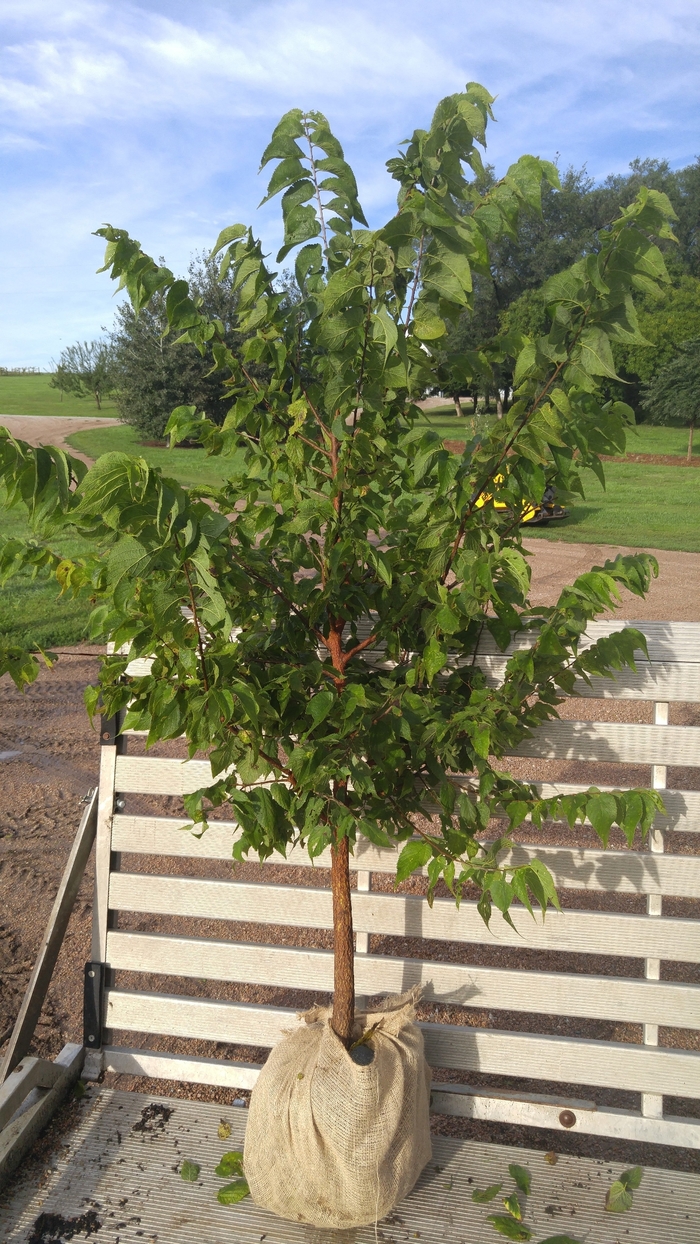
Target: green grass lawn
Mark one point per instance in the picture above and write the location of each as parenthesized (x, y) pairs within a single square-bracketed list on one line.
[(33, 395), (644, 506), (189, 466), (644, 439), (33, 609)]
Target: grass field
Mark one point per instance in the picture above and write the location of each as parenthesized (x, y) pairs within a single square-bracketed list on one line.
[(645, 506), (189, 466), (644, 439), (33, 609), (33, 395)]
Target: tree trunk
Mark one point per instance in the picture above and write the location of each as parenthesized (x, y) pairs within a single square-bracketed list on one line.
[(690, 442), (98, 399), (458, 408), (343, 945), (499, 404)]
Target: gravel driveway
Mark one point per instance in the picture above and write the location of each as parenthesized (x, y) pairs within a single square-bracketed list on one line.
[(53, 429)]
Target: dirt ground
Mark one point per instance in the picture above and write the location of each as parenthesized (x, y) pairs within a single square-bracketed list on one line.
[(49, 758), (53, 429)]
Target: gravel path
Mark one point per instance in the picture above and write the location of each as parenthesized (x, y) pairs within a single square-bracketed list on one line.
[(54, 429), (673, 597)]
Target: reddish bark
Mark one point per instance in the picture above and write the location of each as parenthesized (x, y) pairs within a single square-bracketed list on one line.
[(343, 945)]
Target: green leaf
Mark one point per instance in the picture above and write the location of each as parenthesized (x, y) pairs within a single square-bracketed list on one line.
[(602, 811), (435, 657), (386, 330), (512, 1204), (344, 289), (525, 363), (247, 699), (287, 172), (618, 1199), (596, 354), (320, 705), (508, 1227), (189, 1171), (429, 327), (633, 1177), (229, 234), (522, 1177), (230, 1164), (127, 558), (483, 1196), (414, 855), (233, 1193)]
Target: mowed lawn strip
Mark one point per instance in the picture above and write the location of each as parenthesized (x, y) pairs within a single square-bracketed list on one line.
[(644, 439), (190, 466), (644, 506), (33, 395), (33, 609)]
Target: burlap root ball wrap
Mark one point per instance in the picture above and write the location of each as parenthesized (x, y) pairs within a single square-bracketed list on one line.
[(332, 1143)]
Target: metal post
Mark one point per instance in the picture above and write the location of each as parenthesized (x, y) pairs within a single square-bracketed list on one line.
[(653, 1103)]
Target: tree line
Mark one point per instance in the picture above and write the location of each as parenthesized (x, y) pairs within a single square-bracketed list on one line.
[(150, 373)]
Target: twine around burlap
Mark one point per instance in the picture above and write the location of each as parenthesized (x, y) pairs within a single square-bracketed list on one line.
[(332, 1143)]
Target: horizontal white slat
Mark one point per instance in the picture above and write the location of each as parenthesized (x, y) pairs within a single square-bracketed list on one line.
[(626, 872), (552, 993), (655, 681), (463, 1100), (610, 741), (670, 642), (604, 1063), (403, 915), (682, 807), (181, 1067), (152, 775), (525, 1111)]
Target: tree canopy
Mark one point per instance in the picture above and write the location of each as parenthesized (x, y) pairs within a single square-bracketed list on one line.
[(673, 396), (567, 229), (154, 373), (87, 370)]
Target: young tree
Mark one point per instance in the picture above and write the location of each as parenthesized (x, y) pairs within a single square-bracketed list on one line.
[(673, 397), (313, 622), (85, 369)]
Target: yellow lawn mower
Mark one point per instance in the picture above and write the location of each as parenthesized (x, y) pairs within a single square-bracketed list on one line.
[(533, 515)]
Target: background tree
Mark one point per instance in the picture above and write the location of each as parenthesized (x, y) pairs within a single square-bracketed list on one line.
[(673, 397), (568, 228), (667, 323), (313, 621), (86, 369), (155, 372)]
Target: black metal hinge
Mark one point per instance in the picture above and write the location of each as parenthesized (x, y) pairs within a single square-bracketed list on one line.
[(92, 1005)]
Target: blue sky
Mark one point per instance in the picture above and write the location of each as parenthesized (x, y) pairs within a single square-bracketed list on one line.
[(153, 115)]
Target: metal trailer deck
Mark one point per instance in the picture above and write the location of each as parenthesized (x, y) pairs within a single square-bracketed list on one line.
[(119, 1172)]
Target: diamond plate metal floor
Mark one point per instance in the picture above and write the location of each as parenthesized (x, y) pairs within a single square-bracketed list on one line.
[(120, 1169)]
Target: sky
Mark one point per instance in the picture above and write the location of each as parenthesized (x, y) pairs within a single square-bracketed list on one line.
[(152, 116)]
